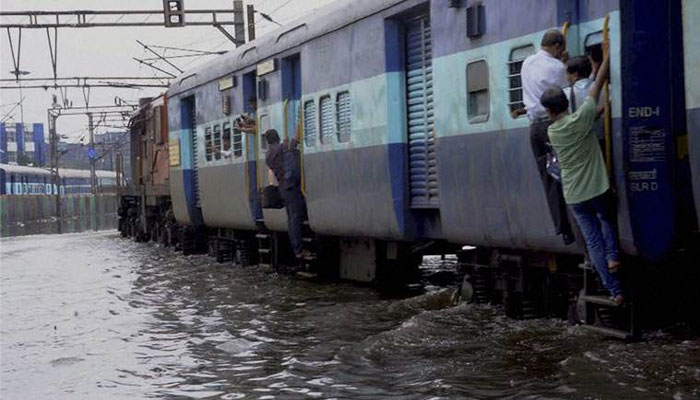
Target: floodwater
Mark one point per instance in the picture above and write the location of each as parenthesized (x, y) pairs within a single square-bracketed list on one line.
[(92, 316)]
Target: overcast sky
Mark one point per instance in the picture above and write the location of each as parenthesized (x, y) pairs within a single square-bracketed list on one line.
[(85, 52)]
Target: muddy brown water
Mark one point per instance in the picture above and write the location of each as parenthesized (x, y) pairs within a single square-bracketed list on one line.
[(91, 316)]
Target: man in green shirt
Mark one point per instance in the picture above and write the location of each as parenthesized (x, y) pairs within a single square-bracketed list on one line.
[(584, 178)]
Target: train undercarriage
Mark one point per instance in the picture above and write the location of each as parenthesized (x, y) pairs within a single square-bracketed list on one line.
[(526, 284)]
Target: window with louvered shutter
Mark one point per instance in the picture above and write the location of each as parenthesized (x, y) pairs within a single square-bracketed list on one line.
[(343, 116), (310, 123), (326, 117)]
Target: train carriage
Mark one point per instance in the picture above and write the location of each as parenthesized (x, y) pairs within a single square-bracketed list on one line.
[(23, 180), (403, 112)]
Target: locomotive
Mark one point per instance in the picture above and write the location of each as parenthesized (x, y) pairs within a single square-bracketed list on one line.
[(408, 146)]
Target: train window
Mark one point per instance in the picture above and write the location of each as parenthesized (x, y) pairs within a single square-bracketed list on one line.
[(594, 49), (264, 126), (207, 143), (310, 123), (237, 143), (477, 91), (217, 141), (515, 64), (326, 117), (343, 116), (10, 136), (226, 146)]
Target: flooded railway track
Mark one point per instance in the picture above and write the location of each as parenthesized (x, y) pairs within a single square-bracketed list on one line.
[(96, 316)]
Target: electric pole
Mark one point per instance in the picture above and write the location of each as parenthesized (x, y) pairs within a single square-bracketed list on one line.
[(53, 141), (91, 155)]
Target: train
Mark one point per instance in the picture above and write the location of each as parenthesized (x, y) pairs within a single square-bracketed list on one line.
[(408, 146), (23, 180)]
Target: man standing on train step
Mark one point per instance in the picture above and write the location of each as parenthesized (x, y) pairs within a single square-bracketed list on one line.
[(540, 72), (584, 177)]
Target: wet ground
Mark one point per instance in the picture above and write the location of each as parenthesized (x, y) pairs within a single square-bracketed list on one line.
[(97, 316)]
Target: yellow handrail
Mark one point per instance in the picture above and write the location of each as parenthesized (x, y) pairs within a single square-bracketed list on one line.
[(606, 103), (285, 105), (300, 137), (565, 28)]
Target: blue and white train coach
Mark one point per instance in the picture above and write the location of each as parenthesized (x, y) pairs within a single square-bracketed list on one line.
[(407, 133), (22, 180)]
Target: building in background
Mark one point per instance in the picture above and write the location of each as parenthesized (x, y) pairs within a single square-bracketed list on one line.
[(23, 144), (107, 145)]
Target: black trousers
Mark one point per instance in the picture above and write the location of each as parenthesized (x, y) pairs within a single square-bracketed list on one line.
[(295, 205), (552, 188)]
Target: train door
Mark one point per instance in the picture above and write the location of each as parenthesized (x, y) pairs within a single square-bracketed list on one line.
[(291, 94), (422, 156), (189, 123)]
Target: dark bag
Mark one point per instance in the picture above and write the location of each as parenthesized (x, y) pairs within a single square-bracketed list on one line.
[(553, 167), (271, 197)]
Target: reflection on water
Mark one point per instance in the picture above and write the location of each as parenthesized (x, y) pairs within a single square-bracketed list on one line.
[(96, 316)]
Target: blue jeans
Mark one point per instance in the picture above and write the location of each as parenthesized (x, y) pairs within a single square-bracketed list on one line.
[(595, 218)]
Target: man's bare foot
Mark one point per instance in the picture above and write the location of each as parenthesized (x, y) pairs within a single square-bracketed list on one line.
[(619, 299)]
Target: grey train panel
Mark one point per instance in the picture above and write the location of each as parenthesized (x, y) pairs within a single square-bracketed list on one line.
[(504, 204), (177, 195), (349, 193), (225, 197)]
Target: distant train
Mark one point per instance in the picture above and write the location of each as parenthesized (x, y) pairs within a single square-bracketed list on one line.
[(403, 109), (21, 180)]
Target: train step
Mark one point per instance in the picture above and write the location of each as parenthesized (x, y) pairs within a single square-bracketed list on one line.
[(616, 333), (306, 275), (600, 300), (264, 251), (586, 266), (602, 314), (262, 236)]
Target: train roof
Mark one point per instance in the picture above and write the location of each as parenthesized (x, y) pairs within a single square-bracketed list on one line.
[(63, 172), (317, 23)]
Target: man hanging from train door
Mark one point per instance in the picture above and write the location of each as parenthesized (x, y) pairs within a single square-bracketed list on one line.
[(584, 178), (539, 72), (283, 160)]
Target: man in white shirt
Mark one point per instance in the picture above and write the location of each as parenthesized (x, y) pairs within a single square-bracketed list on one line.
[(541, 71), (227, 153)]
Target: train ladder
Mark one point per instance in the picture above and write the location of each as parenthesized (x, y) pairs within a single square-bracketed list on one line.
[(601, 314), (265, 249)]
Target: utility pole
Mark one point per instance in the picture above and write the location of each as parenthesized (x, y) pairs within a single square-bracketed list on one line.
[(238, 24), (91, 155), (53, 140), (250, 9)]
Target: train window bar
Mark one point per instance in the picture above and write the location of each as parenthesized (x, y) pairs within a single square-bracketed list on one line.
[(226, 146), (515, 64), (217, 141), (207, 143)]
